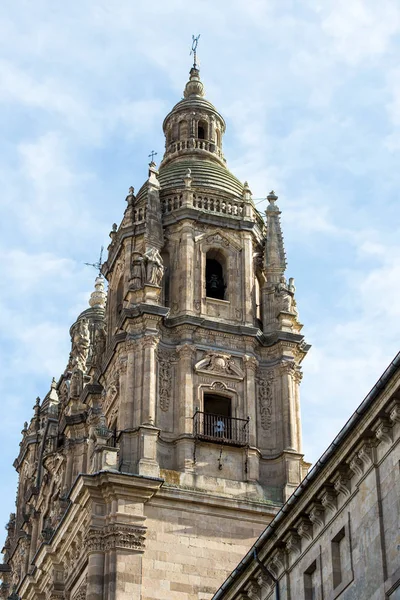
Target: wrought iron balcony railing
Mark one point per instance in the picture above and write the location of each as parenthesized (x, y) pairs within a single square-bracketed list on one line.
[(221, 429)]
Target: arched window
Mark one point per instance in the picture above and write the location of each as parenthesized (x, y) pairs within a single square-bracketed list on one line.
[(202, 130), (120, 294), (215, 277), (218, 137)]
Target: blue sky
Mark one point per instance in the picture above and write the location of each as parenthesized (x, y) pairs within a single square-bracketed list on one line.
[(310, 91)]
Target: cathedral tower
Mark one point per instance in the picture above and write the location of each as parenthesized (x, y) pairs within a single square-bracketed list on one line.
[(174, 435)]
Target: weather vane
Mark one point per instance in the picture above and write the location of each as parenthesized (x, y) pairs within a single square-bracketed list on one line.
[(195, 41), (152, 155), (97, 265)]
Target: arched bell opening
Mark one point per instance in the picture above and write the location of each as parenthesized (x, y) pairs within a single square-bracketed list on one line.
[(215, 275), (202, 130)]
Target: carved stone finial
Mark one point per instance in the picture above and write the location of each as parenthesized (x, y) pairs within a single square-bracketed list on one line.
[(98, 297), (194, 86), (246, 191)]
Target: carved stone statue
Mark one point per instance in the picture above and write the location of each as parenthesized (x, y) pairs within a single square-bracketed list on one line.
[(99, 344), (284, 295), (80, 345), (154, 266), (138, 271)]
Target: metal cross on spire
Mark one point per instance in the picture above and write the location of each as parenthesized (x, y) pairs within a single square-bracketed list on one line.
[(195, 41), (152, 155), (97, 265)]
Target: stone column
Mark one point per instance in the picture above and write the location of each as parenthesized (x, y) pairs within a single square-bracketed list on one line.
[(185, 388), (251, 364), (150, 343), (297, 377), (95, 571), (186, 270), (286, 370), (248, 280)]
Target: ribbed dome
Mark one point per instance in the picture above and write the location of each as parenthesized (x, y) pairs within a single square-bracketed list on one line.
[(206, 174)]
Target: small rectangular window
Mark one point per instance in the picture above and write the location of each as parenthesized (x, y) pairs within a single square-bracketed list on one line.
[(337, 545), (310, 582)]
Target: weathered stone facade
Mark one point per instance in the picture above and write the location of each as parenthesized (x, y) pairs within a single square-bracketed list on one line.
[(173, 435), (339, 533)]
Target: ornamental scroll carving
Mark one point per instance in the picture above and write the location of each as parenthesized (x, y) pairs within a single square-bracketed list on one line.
[(165, 377), (265, 383), (219, 364)]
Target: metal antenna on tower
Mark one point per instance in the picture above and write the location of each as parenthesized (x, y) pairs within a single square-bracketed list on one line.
[(97, 265), (195, 41)]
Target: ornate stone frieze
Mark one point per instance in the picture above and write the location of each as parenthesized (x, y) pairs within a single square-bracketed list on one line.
[(94, 541), (114, 536), (166, 360), (265, 383)]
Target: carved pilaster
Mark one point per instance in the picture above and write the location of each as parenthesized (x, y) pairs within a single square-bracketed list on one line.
[(265, 393)]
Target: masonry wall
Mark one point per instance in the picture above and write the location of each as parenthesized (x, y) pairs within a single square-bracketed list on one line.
[(192, 545)]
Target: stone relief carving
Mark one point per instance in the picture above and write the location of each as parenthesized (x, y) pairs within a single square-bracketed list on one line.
[(154, 266), (165, 375), (115, 536), (221, 364), (111, 392), (99, 345), (80, 344), (146, 268), (265, 384)]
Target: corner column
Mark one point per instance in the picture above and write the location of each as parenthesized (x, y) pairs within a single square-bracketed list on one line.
[(95, 579)]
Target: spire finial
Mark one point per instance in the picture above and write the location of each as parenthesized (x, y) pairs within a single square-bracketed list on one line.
[(98, 297), (195, 41)]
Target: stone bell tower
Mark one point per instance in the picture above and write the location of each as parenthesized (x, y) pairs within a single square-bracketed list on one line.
[(178, 435)]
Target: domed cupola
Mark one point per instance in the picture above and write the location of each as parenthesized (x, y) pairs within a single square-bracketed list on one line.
[(194, 127)]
